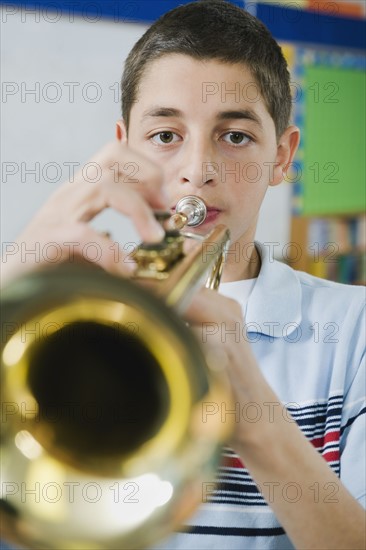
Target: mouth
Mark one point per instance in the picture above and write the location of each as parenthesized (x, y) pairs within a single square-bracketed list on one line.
[(212, 215)]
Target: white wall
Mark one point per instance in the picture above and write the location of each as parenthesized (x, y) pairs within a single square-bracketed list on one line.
[(37, 129)]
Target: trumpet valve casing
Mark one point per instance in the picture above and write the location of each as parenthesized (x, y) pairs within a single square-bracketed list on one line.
[(153, 260)]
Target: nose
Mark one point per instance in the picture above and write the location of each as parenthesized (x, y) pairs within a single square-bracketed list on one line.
[(198, 166)]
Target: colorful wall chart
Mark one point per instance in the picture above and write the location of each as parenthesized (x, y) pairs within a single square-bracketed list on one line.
[(329, 107)]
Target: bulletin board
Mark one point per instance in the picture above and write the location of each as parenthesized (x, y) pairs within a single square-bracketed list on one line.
[(329, 108)]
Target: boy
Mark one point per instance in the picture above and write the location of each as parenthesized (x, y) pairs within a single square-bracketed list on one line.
[(227, 147)]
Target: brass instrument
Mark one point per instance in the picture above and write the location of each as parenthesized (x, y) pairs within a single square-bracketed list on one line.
[(108, 431)]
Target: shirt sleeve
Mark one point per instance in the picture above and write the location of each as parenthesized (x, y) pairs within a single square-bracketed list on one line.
[(353, 425)]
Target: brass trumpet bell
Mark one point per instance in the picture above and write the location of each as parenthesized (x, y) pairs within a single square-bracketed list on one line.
[(106, 441)]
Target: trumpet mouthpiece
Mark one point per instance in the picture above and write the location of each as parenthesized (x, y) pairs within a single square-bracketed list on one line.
[(193, 208)]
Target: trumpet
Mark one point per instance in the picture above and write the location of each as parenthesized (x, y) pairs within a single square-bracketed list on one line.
[(108, 431)]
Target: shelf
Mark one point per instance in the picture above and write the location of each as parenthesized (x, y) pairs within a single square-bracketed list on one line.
[(331, 247)]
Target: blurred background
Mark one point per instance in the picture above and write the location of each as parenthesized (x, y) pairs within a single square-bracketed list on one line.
[(61, 64)]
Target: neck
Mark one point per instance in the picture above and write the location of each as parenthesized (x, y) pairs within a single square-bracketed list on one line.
[(243, 262)]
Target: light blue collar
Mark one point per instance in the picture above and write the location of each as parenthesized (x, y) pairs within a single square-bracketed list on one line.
[(275, 301)]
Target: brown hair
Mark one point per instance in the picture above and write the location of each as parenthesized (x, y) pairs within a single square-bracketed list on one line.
[(214, 29)]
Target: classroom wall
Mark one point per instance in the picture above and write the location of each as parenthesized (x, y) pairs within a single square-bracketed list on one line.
[(60, 101)]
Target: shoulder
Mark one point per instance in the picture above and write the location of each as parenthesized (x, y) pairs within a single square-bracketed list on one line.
[(331, 295), (283, 295), (338, 312), (311, 281)]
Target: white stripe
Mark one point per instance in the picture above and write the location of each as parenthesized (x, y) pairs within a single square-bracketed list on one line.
[(309, 403), (317, 406), (236, 476), (320, 426)]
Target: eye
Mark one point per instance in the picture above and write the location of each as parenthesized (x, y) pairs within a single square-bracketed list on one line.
[(236, 138), (165, 138)]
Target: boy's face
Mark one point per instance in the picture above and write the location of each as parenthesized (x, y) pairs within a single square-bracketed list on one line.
[(207, 126)]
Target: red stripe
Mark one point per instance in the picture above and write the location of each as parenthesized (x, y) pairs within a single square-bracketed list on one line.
[(231, 462), (331, 456), (330, 437)]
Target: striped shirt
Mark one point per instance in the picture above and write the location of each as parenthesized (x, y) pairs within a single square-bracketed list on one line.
[(308, 336)]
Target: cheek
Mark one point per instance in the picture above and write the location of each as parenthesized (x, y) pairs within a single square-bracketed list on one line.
[(254, 167), (252, 175), (259, 169), (245, 200), (252, 185)]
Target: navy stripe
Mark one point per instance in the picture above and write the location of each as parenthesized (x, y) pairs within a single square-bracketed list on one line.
[(287, 24), (297, 25), (319, 418), (122, 11), (238, 502), (307, 408), (319, 412), (352, 419), (316, 408), (233, 531), (236, 488), (235, 485), (232, 498)]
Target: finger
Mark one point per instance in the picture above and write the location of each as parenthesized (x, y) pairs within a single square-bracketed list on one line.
[(127, 166), (210, 306), (78, 204), (81, 201), (72, 243), (131, 204), (124, 200), (96, 248), (216, 355)]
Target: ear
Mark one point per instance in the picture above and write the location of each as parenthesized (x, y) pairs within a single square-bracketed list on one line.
[(121, 131), (286, 150)]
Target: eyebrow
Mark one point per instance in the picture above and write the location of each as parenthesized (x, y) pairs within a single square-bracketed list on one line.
[(241, 114), (162, 112)]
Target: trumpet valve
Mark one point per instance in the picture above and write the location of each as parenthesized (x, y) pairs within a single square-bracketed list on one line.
[(154, 260), (177, 221)]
